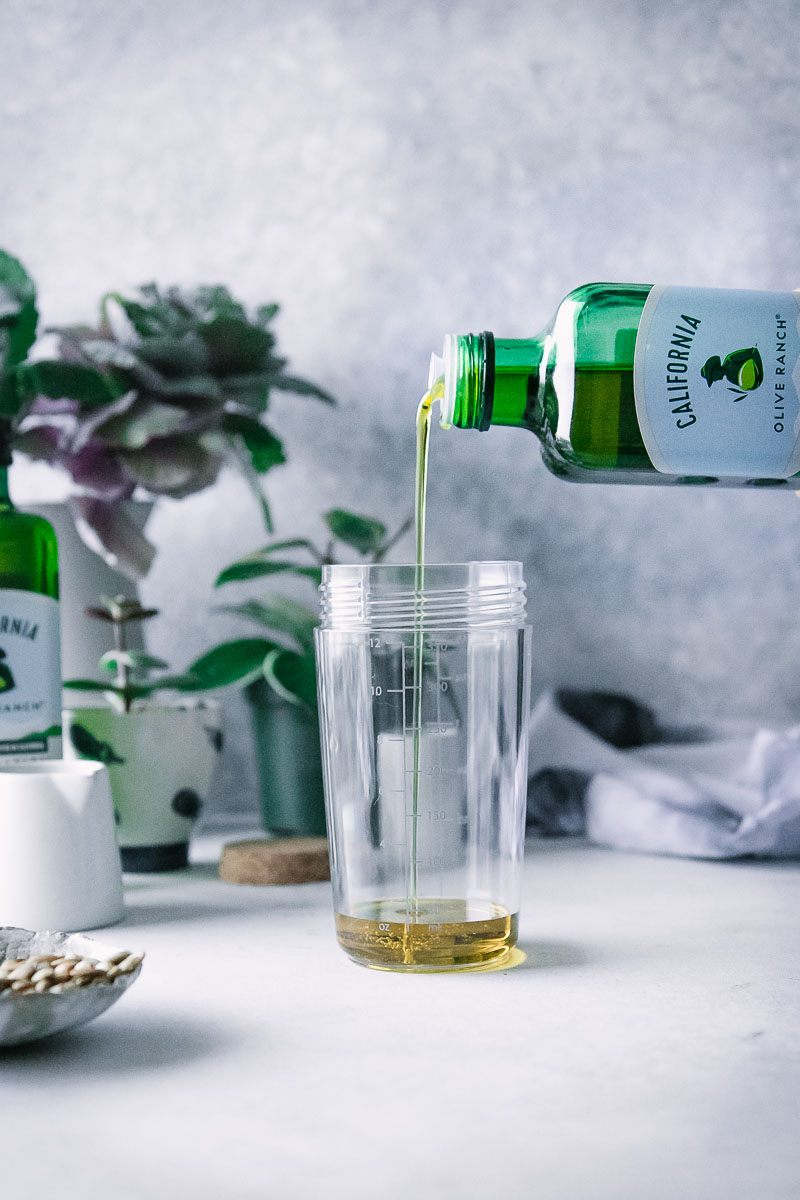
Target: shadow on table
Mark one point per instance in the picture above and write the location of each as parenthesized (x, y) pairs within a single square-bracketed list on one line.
[(133, 1046), (168, 912), (526, 956), (549, 956), (154, 899)]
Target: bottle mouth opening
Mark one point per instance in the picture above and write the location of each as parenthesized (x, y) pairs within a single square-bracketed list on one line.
[(445, 366)]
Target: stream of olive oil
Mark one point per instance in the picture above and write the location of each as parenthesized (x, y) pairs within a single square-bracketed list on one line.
[(424, 414), (414, 932)]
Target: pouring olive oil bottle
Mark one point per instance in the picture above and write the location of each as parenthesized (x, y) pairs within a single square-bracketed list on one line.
[(30, 644), (632, 383)]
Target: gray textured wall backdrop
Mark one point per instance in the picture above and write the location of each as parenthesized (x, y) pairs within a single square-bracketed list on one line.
[(393, 170)]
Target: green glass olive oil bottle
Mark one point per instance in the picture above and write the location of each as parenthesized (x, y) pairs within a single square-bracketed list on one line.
[(635, 383), (30, 643)]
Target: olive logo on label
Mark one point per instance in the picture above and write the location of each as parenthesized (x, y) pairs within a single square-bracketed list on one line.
[(7, 681), (743, 368)]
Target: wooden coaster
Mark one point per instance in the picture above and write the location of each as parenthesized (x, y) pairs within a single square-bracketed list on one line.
[(276, 860)]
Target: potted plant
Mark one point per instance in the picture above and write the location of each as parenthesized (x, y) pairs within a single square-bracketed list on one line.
[(170, 386), (160, 756), (277, 668)]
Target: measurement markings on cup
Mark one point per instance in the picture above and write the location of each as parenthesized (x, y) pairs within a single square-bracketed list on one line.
[(436, 771)]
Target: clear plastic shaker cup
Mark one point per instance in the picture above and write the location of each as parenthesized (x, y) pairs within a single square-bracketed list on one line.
[(423, 697)]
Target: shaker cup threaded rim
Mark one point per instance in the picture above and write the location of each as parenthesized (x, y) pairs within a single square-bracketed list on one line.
[(437, 595)]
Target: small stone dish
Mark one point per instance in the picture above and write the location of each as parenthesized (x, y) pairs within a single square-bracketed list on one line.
[(26, 1015)]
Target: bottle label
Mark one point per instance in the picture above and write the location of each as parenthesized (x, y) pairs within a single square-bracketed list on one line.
[(30, 676), (716, 380)]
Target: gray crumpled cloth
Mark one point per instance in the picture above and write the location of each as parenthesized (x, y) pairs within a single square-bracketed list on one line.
[(602, 767)]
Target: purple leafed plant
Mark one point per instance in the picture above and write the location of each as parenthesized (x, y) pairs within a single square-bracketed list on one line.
[(170, 386)]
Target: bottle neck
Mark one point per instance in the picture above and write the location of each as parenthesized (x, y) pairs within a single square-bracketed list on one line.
[(5, 499), (490, 381), (5, 463)]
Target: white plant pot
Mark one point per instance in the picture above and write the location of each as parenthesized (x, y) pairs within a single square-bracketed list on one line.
[(160, 761)]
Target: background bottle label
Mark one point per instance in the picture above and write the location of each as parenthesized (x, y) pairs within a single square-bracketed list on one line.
[(717, 379), (30, 676)]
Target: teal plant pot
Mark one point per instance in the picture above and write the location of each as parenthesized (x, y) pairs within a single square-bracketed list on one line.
[(289, 764)]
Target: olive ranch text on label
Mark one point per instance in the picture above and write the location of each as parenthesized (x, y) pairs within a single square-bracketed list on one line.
[(716, 382)]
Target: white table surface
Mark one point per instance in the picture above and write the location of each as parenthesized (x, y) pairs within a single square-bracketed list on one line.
[(648, 1048)]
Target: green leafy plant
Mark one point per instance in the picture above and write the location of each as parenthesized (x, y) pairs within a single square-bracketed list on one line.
[(169, 386), (284, 653), (18, 320), (131, 672)]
